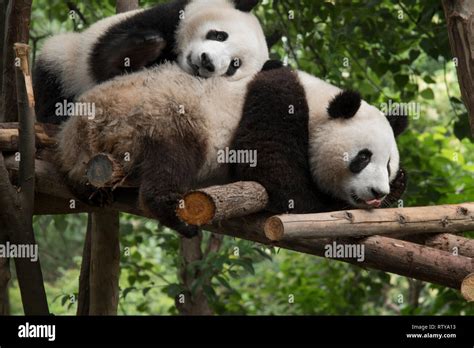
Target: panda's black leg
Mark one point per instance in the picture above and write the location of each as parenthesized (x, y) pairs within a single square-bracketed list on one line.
[(126, 52), (289, 187), (168, 170)]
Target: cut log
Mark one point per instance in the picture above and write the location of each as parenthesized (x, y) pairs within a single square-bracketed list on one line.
[(9, 139), (104, 171), (382, 253), (360, 223), (217, 203), (467, 288)]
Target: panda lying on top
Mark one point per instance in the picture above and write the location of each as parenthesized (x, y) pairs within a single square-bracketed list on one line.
[(206, 37), (333, 151)]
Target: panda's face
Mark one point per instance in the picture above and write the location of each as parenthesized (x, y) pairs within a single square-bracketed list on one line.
[(356, 158), (221, 42)]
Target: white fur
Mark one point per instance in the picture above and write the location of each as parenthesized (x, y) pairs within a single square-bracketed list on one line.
[(335, 142), (246, 40)]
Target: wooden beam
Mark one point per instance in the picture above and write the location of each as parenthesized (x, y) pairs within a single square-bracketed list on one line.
[(360, 223), (460, 22), (382, 253), (9, 138), (216, 203)]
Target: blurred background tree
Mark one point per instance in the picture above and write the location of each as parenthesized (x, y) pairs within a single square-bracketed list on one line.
[(388, 50)]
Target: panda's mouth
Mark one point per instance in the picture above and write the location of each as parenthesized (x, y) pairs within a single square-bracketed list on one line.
[(194, 67), (373, 203)]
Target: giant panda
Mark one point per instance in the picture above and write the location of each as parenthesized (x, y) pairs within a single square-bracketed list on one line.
[(172, 125), (206, 37), (326, 149)]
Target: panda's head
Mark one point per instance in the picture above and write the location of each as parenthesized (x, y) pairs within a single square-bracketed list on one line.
[(221, 38), (354, 155)]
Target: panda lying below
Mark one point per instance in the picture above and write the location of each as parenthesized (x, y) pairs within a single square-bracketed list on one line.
[(319, 161), (334, 151)]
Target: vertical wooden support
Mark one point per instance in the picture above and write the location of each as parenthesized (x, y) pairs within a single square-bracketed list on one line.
[(28, 272), (104, 263), (460, 21)]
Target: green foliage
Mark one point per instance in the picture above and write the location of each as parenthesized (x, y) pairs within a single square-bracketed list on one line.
[(388, 50)]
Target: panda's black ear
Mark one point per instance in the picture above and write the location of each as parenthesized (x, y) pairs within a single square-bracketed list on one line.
[(344, 105), (245, 5), (272, 65), (398, 123)]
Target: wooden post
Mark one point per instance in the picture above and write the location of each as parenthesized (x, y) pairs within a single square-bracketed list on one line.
[(3, 20), (360, 223), (460, 21), (17, 204), (104, 263)]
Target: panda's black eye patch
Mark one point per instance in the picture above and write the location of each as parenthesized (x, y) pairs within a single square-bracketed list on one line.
[(216, 35), (234, 65), (388, 168), (360, 161)]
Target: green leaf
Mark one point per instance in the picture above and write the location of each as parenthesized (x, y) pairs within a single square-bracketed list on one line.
[(427, 93), (246, 264), (126, 291), (401, 80), (223, 282), (172, 290)]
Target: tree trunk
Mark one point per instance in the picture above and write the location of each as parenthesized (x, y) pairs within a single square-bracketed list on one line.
[(18, 27), (460, 21), (190, 303), (3, 20), (126, 5)]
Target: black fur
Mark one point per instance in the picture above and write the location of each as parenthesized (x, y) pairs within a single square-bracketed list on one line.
[(147, 38), (344, 105), (168, 169), (398, 123), (47, 94), (272, 64), (245, 5), (281, 141)]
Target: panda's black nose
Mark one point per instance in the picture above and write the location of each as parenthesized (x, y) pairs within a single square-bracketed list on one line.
[(377, 194), (206, 63)]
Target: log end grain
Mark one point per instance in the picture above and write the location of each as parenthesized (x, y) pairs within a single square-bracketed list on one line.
[(467, 288), (197, 208), (274, 228)]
